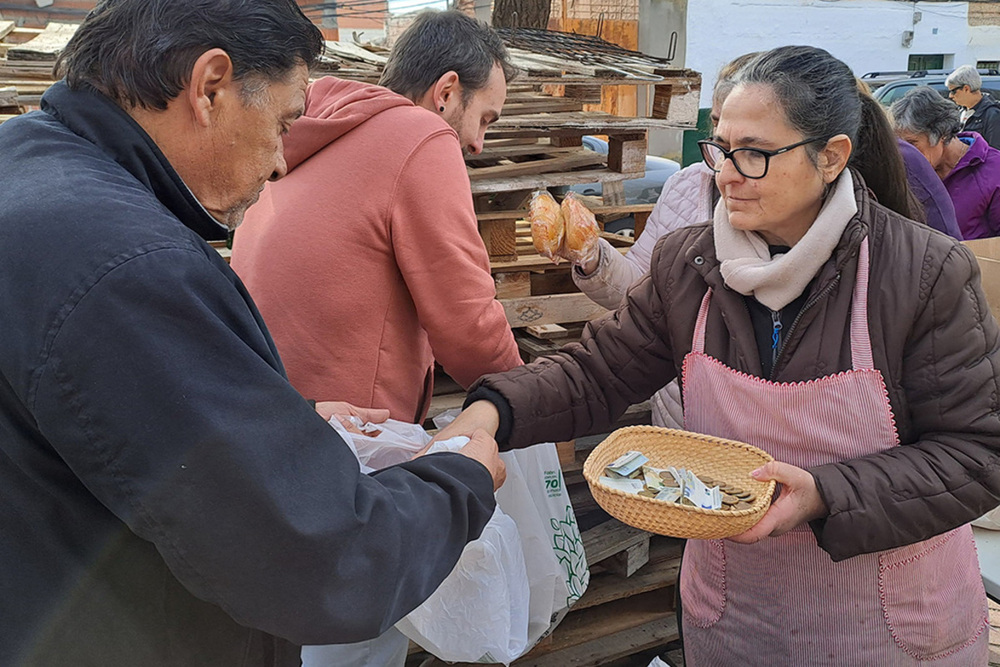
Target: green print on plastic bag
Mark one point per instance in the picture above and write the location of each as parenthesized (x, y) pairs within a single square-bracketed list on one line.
[(568, 547)]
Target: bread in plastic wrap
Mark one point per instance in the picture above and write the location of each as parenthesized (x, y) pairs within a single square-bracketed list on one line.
[(546, 224), (581, 231)]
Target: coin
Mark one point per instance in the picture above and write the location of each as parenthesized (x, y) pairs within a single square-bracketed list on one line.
[(742, 505), (648, 493), (708, 481), (668, 480), (687, 501), (729, 500)]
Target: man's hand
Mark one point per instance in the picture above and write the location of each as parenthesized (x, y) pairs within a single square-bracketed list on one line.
[(328, 409), (799, 501), (483, 448)]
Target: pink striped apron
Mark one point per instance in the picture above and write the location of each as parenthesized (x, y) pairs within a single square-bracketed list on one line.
[(783, 601)]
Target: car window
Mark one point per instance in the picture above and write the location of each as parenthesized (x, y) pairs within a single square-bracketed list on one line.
[(894, 92)]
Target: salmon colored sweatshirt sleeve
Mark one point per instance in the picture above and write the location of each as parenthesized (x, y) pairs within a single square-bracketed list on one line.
[(445, 264)]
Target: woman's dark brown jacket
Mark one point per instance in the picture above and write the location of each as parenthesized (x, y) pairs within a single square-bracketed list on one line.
[(934, 341)]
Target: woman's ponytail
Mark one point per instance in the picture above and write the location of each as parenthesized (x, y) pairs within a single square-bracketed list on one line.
[(877, 158)]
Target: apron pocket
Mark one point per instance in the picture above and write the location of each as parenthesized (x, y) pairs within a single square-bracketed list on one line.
[(932, 595), (703, 582)]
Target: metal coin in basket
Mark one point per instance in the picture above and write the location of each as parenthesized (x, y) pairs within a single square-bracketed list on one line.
[(726, 461)]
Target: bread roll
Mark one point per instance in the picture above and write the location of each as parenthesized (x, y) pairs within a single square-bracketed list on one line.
[(581, 230), (546, 224)]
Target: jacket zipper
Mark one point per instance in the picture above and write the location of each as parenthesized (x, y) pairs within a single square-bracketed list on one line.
[(775, 336), (809, 304)]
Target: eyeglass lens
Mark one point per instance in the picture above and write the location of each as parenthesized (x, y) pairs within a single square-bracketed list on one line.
[(748, 161)]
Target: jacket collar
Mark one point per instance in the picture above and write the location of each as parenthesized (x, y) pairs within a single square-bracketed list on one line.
[(975, 155), (94, 117), (850, 242)]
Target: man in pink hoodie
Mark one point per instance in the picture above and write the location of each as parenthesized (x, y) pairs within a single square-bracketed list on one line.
[(365, 260)]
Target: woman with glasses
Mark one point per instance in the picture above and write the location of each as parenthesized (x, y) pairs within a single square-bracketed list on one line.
[(968, 166), (853, 344)]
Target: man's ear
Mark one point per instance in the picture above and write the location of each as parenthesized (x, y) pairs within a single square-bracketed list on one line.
[(833, 157), (446, 91), (211, 85)]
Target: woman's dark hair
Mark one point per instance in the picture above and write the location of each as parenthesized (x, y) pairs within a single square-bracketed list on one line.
[(440, 42), (821, 98), (924, 111), (140, 52)]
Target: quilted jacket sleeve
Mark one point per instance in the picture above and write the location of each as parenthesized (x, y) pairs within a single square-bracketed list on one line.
[(622, 359), (950, 474)]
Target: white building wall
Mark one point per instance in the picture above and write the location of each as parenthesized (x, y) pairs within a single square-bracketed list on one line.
[(866, 34), (984, 44)]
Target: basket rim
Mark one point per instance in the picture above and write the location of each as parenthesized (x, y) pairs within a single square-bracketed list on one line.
[(761, 504)]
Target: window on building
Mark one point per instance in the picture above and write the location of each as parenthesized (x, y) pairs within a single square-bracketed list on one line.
[(993, 65), (918, 62)]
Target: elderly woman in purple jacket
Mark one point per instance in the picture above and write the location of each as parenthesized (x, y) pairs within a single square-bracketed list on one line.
[(968, 166)]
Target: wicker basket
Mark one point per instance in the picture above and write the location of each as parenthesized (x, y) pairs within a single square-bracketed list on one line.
[(727, 461)]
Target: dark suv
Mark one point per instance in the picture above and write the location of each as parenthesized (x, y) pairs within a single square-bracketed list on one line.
[(893, 89)]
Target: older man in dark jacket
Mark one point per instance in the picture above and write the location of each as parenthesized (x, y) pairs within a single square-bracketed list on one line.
[(166, 497), (965, 88)]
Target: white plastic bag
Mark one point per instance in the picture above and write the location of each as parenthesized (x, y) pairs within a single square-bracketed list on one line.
[(479, 613), (513, 585), (535, 496)]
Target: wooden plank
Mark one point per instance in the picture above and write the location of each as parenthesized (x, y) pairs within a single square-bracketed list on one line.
[(640, 218), (520, 150), (513, 285), (8, 96), (536, 181), (592, 122), (500, 238), (532, 262), (613, 193), (6, 27), (551, 309), (599, 635), (609, 538), (46, 45), (627, 155), (515, 215), (661, 571), (547, 331), (626, 563), (566, 451), (561, 163)]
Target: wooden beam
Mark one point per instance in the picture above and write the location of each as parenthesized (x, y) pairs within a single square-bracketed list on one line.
[(551, 309), (627, 153), (561, 163), (513, 285), (535, 181), (500, 238), (607, 539)]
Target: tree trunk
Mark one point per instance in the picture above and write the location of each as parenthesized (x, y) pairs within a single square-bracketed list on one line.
[(521, 13)]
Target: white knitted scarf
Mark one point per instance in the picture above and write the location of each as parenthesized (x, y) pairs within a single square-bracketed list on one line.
[(746, 262)]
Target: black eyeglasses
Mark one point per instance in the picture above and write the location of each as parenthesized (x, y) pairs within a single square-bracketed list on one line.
[(750, 162), (952, 91)]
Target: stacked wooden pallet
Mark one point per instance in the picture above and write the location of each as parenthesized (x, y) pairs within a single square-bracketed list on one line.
[(27, 56)]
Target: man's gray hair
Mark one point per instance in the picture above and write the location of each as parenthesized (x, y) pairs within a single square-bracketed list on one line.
[(924, 111), (966, 75)]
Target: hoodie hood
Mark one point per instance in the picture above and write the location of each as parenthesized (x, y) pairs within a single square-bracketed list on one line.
[(334, 107)]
